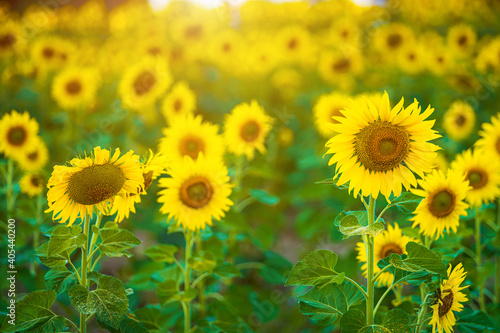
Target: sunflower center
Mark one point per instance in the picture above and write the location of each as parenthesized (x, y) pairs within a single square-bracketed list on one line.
[(477, 178), (73, 87), (394, 40), (154, 51), (148, 179), (462, 41), (342, 65), (382, 146), (497, 145), (48, 52), (292, 44), (7, 40), (36, 180), (196, 192), (442, 203), (17, 135), (177, 105), (192, 146), (226, 47), (250, 131), (389, 249), (33, 156), (193, 31), (460, 120), (144, 82), (95, 183), (447, 302)]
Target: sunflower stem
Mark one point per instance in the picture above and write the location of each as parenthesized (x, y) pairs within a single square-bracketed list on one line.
[(371, 262), (36, 235), (84, 268), (10, 188), (477, 235), (94, 239), (497, 271), (186, 304), (199, 280), (421, 315)]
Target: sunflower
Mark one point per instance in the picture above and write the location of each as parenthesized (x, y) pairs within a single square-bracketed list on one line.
[(32, 184), (378, 148), (327, 107), (339, 67), (439, 61), (392, 38), (179, 102), (488, 59), (490, 136), (461, 39), (91, 182), (449, 299), (75, 87), (143, 84), (34, 158), (52, 52), (440, 162), (11, 39), (388, 242), (18, 133), (443, 203), (459, 120), (226, 49), (411, 59), (196, 192), (246, 129), (191, 136), (294, 45), (481, 170)]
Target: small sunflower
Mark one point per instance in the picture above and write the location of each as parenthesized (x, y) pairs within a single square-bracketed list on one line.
[(449, 299), (392, 38), (32, 184), (75, 87), (18, 133), (339, 67), (490, 136), (443, 203), (196, 192), (92, 182), (459, 120), (191, 136), (179, 102), (11, 38), (481, 169), (52, 52), (35, 158), (246, 129), (378, 149), (388, 242), (461, 39), (327, 107)]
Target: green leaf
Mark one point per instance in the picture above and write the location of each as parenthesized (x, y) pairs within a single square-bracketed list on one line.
[(204, 263), (316, 269), (374, 329), (129, 324), (263, 197), (226, 270), (64, 238), (356, 223), (469, 321), (352, 321), (407, 202), (421, 258), (166, 291), (117, 241), (397, 321), (55, 260), (333, 182), (60, 279), (327, 305), (161, 253)]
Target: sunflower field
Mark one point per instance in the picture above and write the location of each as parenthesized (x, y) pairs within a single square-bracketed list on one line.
[(250, 166)]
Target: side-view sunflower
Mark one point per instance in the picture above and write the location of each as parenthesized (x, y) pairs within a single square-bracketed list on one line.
[(482, 170), (75, 87), (91, 182), (443, 203), (196, 193), (18, 133), (35, 158), (449, 300), (32, 184), (190, 136), (327, 107), (377, 149), (179, 102), (459, 120), (490, 136), (388, 242), (246, 129)]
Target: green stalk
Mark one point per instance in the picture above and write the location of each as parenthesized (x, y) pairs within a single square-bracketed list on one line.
[(10, 188), (201, 284), (84, 269), (371, 263), (482, 305), (36, 234), (497, 272), (421, 315), (186, 305)]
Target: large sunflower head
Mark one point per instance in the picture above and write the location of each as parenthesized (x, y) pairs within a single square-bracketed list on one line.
[(196, 192), (490, 136), (246, 129), (327, 107), (377, 149), (179, 102), (32, 184), (443, 203), (449, 299), (191, 136), (92, 182), (459, 120), (18, 133), (388, 242), (34, 158), (482, 170), (75, 87)]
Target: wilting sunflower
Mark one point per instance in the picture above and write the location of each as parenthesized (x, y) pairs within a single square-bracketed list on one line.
[(190, 136), (32, 184), (490, 136), (459, 120), (378, 148), (90, 182), (388, 242), (34, 158), (179, 102), (443, 203), (246, 129), (75, 87), (449, 299), (18, 133), (327, 107), (481, 169), (196, 192)]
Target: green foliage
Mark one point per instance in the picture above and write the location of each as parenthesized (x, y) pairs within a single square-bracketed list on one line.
[(115, 242), (407, 202), (355, 223), (60, 279), (263, 197), (395, 321), (161, 253)]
